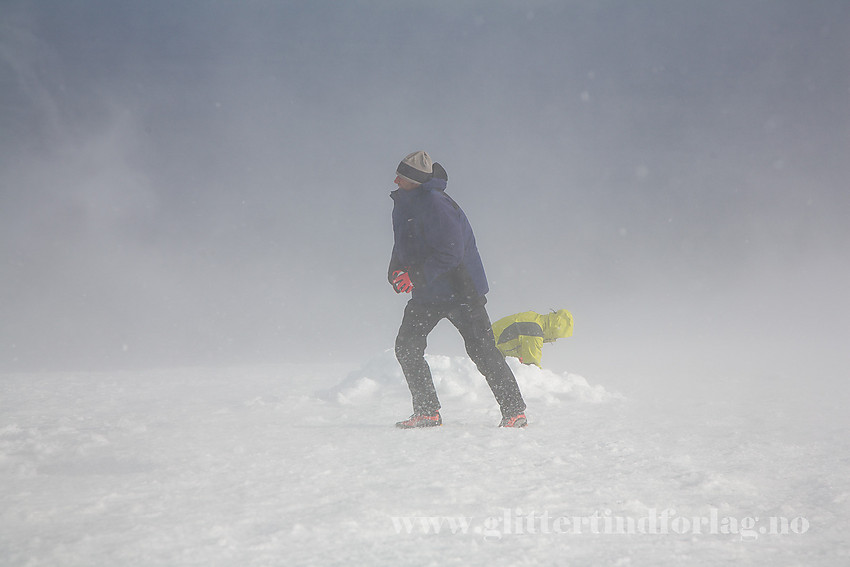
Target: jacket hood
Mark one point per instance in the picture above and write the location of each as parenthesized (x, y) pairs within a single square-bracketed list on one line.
[(433, 184), (557, 325)]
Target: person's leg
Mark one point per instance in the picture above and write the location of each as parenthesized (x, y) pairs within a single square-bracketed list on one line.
[(474, 325), (418, 322)]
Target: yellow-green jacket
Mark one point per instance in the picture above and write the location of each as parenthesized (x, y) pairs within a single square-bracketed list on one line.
[(522, 335)]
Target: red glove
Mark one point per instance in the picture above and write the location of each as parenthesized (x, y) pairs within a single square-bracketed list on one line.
[(401, 282)]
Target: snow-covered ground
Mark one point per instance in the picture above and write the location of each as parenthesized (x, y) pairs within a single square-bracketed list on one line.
[(300, 465)]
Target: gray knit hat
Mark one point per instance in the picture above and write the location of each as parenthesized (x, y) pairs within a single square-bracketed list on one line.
[(416, 167)]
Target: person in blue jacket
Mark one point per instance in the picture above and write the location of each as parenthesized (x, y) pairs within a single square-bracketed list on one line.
[(435, 258)]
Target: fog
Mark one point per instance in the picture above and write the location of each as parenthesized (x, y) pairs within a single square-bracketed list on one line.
[(201, 183)]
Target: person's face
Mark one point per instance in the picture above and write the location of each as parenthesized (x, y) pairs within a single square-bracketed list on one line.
[(404, 183)]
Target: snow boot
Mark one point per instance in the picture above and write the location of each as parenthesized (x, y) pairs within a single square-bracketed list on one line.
[(416, 420), (517, 420)]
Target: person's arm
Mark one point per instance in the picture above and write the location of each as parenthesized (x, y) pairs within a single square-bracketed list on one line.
[(531, 349), (443, 241)]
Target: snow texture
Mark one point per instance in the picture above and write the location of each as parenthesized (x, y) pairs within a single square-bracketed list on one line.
[(301, 465)]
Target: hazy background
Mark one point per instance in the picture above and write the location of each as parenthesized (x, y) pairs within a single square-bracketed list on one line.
[(197, 182)]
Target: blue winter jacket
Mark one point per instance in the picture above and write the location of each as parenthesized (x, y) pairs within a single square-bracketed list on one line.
[(433, 241)]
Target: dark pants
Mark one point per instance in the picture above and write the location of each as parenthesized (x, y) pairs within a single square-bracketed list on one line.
[(474, 325)]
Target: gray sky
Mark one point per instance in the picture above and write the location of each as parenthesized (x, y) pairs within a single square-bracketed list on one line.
[(199, 182)]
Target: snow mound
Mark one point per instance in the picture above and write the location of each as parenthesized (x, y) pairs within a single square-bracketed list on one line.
[(457, 377), (542, 384)]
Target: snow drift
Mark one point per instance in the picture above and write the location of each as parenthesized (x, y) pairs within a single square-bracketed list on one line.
[(456, 378)]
